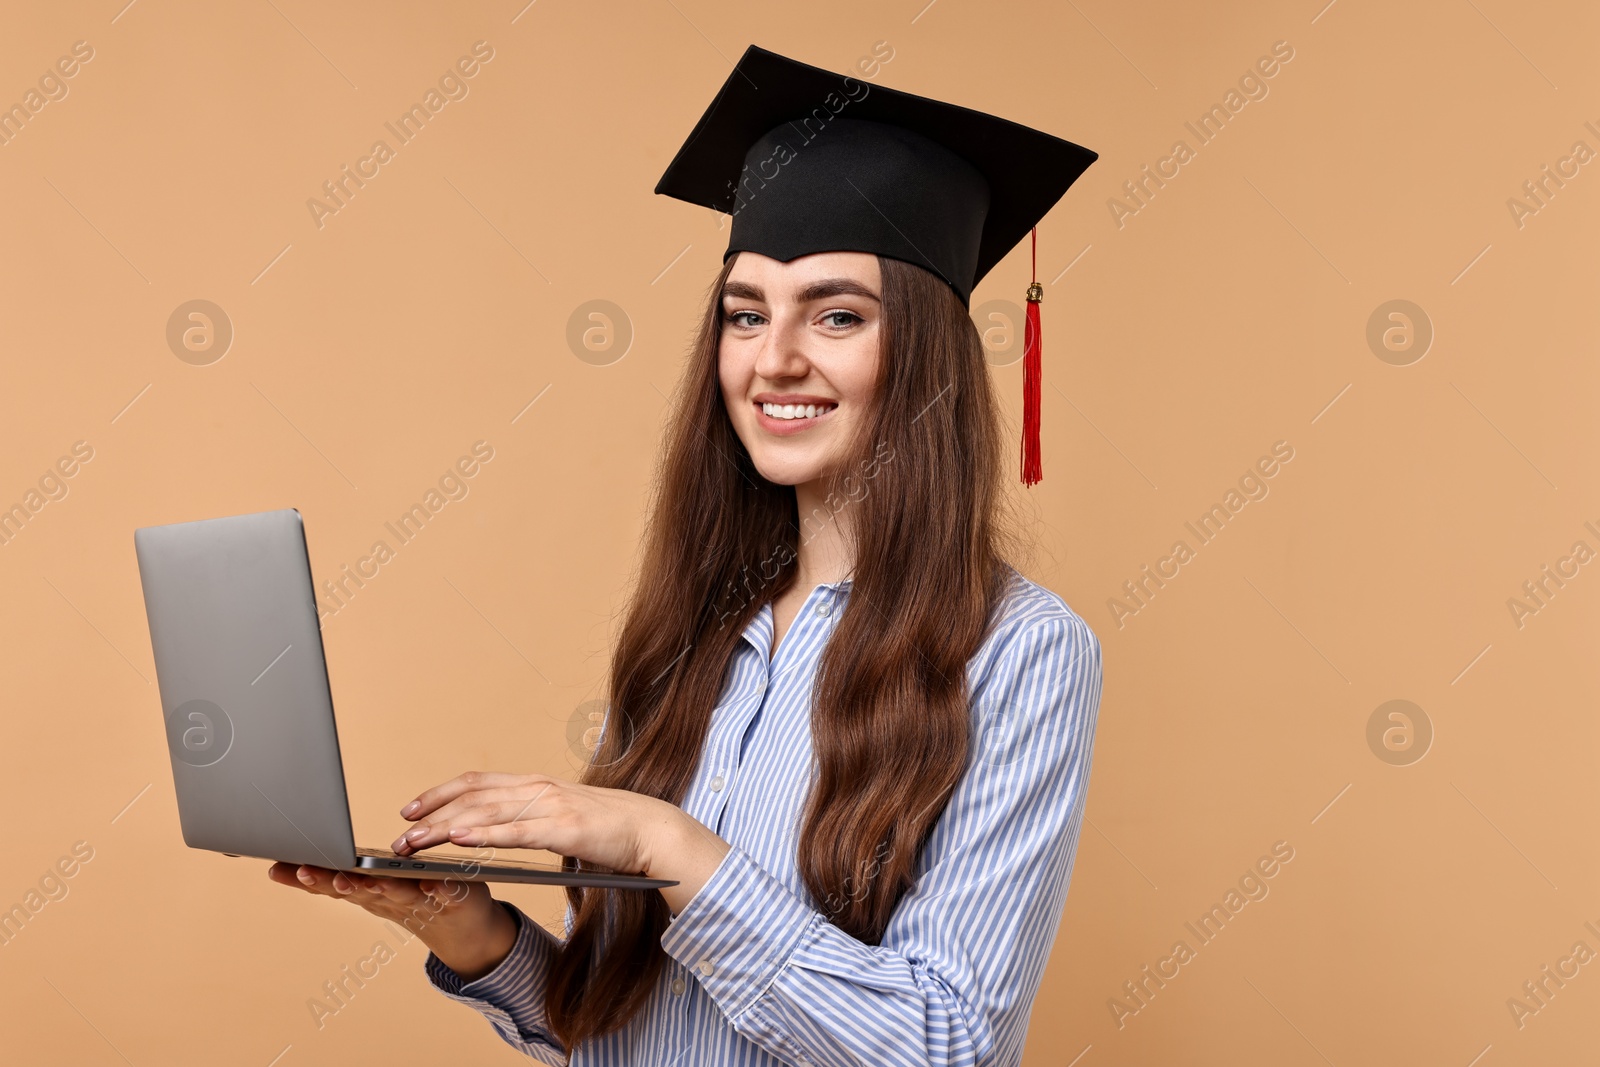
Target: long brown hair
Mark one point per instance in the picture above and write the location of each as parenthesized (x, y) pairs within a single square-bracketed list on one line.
[(890, 720)]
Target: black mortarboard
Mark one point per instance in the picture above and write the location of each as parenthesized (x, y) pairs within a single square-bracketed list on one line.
[(806, 161)]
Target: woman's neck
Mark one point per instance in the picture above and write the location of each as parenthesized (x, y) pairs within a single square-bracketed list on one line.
[(823, 554)]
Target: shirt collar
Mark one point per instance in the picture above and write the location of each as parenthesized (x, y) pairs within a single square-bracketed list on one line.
[(759, 629)]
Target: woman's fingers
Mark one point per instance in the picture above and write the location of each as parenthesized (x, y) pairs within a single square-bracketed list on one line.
[(430, 800), (311, 879), (357, 888), (322, 880), (462, 814), (608, 827), (520, 796), (284, 874), (525, 834), (346, 883)]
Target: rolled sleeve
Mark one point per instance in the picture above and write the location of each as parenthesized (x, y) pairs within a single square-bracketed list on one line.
[(512, 995)]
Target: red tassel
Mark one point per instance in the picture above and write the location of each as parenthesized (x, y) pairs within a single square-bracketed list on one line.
[(1032, 465)]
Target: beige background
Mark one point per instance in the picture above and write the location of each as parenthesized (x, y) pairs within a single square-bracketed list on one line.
[(1229, 313)]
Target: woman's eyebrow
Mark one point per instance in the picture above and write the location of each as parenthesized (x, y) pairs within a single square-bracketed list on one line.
[(819, 290)]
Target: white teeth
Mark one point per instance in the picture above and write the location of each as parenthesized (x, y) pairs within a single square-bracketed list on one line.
[(795, 411)]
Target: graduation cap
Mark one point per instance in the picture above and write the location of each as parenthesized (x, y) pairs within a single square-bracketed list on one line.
[(806, 160)]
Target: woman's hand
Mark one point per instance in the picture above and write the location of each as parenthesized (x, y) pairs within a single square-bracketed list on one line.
[(626, 832), (458, 920)]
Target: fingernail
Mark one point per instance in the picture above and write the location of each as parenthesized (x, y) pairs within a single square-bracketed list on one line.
[(306, 878), (460, 831), (411, 808), (412, 835)]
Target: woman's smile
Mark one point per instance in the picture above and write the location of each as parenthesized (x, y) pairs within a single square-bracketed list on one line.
[(796, 416)]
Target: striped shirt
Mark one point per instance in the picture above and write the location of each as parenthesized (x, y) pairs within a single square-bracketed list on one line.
[(756, 975)]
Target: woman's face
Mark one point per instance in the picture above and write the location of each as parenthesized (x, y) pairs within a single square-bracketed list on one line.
[(798, 358)]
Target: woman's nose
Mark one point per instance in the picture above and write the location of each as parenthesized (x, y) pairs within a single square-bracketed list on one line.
[(782, 352)]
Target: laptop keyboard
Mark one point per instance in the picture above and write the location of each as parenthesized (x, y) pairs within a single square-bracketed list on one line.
[(515, 865)]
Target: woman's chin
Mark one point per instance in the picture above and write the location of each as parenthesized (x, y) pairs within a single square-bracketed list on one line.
[(779, 472)]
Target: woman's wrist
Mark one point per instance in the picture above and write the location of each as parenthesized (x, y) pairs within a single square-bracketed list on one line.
[(475, 951), (689, 854)]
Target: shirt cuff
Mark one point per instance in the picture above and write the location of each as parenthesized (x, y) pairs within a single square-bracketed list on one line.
[(512, 995), (738, 932)]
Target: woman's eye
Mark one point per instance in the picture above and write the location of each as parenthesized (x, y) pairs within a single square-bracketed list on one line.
[(837, 320)]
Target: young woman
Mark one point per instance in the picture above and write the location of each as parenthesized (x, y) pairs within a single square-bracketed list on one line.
[(851, 732)]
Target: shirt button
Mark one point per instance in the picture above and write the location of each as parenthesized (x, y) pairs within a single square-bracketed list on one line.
[(705, 968), (717, 784), (824, 609), (678, 987)]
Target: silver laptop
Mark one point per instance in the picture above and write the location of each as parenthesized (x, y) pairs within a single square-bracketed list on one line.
[(249, 714)]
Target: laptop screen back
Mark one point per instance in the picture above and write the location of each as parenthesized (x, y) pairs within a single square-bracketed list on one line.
[(244, 688)]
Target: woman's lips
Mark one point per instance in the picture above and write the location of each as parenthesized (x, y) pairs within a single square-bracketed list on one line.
[(790, 427)]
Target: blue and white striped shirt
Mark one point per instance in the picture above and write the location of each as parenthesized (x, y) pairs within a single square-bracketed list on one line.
[(756, 975)]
